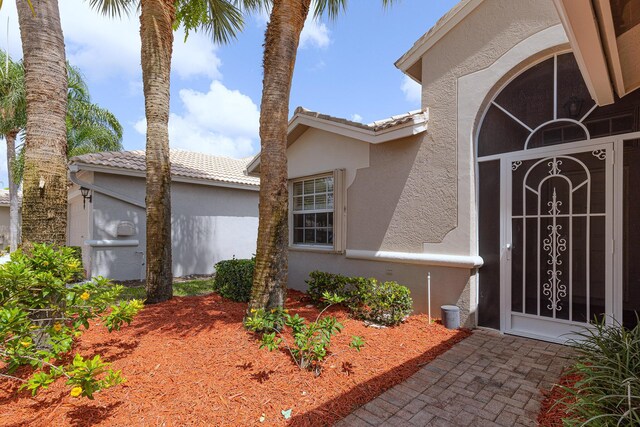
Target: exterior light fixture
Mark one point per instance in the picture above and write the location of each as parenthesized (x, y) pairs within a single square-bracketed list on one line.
[(573, 107), (86, 194)]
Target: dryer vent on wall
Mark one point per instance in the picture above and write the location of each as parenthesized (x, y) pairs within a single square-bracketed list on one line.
[(125, 228)]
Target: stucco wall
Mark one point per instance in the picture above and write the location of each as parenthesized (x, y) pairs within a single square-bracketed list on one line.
[(209, 224), (485, 35), (418, 194), (4, 226), (318, 151), (447, 284)]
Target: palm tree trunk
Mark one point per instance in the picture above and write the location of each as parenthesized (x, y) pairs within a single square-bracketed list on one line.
[(14, 205), (156, 33), (281, 45), (44, 205)]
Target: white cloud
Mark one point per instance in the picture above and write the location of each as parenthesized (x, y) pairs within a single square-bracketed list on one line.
[(356, 118), (314, 34), (221, 121), (412, 90), (104, 47)]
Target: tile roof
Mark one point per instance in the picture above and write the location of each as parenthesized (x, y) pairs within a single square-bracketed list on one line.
[(186, 164), (376, 126), (4, 197)]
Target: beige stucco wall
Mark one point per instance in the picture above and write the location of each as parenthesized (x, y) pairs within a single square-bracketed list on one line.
[(318, 151), (485, 35), (417, 194)]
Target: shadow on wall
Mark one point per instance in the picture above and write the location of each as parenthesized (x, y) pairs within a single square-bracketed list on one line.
[(201, 241), (118, 262), (374, 195)]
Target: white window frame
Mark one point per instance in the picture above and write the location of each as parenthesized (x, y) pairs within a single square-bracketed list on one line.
[(339, 213)]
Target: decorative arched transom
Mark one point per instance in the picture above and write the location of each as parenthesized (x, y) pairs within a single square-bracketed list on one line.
[(549, 104)]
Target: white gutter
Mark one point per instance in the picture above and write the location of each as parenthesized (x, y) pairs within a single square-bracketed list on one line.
[(73, 169), (440, 260), (111, 243)]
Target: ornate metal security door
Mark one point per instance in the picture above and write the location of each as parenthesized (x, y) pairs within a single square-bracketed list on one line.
[(560, 233)]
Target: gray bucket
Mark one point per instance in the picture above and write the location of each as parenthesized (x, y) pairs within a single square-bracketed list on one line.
[(450, 316)]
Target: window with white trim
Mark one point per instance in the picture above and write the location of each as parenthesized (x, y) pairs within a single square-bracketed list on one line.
[(313, 211)]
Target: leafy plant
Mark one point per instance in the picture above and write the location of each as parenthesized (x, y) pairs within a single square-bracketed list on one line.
[(234, 278), (608, 367), (41, 314), (311, 340), (336, 284), (386, 303)]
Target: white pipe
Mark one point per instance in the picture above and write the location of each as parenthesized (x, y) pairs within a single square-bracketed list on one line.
[(429, 295)]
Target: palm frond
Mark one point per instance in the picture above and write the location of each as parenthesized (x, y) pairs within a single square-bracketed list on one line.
[(221, 19), (113, 8)]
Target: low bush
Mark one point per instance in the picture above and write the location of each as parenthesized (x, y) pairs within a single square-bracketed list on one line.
[(335, 284), (311, 340), (608, 367), (234, 278), (41, 315), (386, 303)]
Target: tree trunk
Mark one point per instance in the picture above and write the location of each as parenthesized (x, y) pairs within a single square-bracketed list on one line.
[(44, 203), (281, 45), (14, 204), (156, 33)]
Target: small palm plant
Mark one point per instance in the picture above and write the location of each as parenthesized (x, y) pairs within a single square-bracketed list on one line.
[(608, 367)]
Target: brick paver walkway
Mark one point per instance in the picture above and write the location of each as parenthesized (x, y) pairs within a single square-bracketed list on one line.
[(488, 379)]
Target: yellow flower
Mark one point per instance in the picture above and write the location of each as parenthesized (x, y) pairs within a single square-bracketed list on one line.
[(25, 343), (45, 263), (76, 391), (57, 327), (84, 296), (253, 310), (273, 310), (286, 310)]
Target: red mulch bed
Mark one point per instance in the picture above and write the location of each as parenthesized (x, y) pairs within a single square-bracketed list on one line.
[(189, 361), (551, 413)]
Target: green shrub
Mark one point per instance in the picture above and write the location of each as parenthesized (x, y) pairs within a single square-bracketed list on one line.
[(311, 340), (608, 367), (234, 278), (386, 303), (335, 284), (77, 254), (41, 314)]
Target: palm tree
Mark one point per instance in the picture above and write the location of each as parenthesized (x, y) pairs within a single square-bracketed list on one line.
[(280, 47), (222, 19), (44, 203), (90, 128), (13, 118)]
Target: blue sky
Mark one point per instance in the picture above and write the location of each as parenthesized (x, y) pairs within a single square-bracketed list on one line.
[(344, 68)]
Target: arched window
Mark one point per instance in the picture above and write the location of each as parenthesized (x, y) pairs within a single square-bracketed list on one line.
[(549, 104)]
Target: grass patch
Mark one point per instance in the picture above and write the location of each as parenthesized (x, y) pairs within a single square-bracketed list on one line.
[(181, 289)]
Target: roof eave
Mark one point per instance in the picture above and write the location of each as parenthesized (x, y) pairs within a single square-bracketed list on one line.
[(415, 126), (587, 47), (410, 63), (78, 166)]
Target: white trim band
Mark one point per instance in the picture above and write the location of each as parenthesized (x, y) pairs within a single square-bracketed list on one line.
[(441, 260), (112, 243)]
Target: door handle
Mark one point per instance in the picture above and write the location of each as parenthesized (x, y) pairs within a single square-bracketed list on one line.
[(508, 247)]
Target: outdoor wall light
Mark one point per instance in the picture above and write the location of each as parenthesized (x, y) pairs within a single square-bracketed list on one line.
[(85, 195), (573, 107)]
